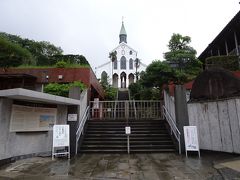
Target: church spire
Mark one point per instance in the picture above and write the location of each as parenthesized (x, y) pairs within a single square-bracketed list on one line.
[(123, 34)]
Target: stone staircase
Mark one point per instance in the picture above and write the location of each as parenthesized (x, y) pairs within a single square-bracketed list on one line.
[(123, 94), (108, 136)]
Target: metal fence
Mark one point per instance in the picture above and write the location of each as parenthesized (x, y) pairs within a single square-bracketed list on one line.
[(126, 109)]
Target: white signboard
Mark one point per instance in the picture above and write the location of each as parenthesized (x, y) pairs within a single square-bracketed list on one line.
[(96, 103), (191, 139), (128, 130), (60, 135), (72, 117)]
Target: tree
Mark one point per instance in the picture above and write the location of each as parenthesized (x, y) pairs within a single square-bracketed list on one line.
[(12, 54), (157, 74), (183, 56), (41, 51), (113, 58), (109, 91), (69, 59), (137, 64), (152, 80)]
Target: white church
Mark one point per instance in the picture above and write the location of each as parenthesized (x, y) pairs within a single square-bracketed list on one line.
[(122, 72)]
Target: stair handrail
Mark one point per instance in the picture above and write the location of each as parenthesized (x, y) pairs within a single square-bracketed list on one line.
[(81, 125), (173, 127)]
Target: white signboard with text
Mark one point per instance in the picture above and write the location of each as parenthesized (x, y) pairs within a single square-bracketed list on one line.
[(96, 103), (191, 139), (61, 139), (128, 130), (72, 117)]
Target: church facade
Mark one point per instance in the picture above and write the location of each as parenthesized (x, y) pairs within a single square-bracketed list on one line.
[(122, 71)]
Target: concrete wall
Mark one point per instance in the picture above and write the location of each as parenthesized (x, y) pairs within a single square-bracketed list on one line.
[(169, 103), (16, 144), (218, 124)]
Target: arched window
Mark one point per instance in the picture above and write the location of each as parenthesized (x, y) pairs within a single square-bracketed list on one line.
[(130, 52), (131, 63), (123, 62), (115, 64)]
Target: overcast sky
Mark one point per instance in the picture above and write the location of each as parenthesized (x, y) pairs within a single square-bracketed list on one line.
[(91, 27)]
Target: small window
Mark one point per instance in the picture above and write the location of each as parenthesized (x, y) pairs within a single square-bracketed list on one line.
[(130, 52), (115, 64), (123, 62), (131, 63)]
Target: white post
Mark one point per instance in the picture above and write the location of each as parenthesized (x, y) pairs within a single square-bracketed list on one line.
[(128, 145)]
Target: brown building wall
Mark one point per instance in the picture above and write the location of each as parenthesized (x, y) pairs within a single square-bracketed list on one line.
[(85, 75)]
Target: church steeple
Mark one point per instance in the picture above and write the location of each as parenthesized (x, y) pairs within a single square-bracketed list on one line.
[(123, 34)]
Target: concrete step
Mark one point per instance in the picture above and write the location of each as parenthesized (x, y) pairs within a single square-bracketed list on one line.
[(109, 136), (89, 142)]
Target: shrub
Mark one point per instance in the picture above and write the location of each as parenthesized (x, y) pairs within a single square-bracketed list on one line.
[(227, 62), (62, 89)]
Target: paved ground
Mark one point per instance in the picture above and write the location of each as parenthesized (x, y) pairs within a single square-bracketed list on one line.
[(130, 167)]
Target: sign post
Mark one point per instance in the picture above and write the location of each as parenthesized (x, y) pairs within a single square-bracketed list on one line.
[(128, 132), (191, 139), (61, 139)]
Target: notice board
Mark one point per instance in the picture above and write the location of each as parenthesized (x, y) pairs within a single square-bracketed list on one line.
[(27, 118), (191, 139), (60, 135)]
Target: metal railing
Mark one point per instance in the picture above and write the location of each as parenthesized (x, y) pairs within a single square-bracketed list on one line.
[(173, 127), (81, 125), (126, 109)]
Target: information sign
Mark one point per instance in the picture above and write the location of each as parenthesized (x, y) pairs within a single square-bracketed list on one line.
[(191, 139), (72, 117), (128, 130), (96, 103), (61, 139)]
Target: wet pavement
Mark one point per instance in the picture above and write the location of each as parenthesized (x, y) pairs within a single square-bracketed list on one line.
[(157, 166)]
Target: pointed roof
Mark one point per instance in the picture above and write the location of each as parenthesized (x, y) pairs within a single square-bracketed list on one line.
[(123, 31)]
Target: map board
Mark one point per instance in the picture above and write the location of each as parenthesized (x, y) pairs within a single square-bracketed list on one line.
[(191, 139), (28, 118)]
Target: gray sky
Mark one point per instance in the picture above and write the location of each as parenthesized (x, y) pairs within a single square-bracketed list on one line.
[(91, 27)]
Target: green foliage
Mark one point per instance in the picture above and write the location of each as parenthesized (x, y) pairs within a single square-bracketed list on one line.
[(12, 54), (140, 92), (104, 80), (184, 57), (61, 64), (110, 93), (45, 53), (42, 51), (113, 56), (227, 62), (62, 89), (70, 59), (157, 74), (152, 80)]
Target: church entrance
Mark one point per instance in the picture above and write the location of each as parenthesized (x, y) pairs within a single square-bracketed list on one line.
[(130, 78), (115, 80), (123, 79)]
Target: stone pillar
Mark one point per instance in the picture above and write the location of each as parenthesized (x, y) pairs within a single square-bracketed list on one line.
[(181, 111), (119, 81), (74, 93), (127, 81)]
